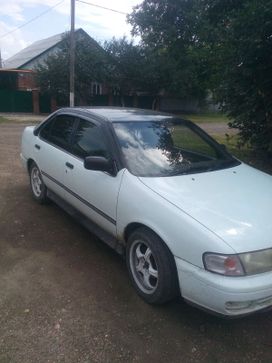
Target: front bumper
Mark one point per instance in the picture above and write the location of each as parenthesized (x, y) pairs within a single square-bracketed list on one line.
[(224, 295)]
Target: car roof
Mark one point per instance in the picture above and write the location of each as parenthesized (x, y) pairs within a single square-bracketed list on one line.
[(120, 114)]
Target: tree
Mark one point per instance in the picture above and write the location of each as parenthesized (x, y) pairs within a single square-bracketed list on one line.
[(137, 68), (170, 29), (223, 45), (127, 61), (91, 64), (240, 59)]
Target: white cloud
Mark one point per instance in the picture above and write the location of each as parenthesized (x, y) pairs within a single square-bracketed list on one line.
[(11, 42), (100, 24), (15, 8)]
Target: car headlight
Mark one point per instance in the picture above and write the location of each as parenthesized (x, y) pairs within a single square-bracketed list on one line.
[(249, 263), (257, 262)]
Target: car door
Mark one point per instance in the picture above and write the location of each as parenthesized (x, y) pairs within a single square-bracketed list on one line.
[(51, 151), (94, 193)]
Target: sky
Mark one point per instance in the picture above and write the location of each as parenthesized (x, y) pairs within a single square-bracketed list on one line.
[(98, 23)]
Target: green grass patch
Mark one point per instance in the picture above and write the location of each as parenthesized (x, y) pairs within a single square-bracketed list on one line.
[(209, 117), (3, 119), (185, 138), (245, 153), (17, 119)]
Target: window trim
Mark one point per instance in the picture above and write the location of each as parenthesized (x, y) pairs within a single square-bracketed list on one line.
[(106, 127), (51, 120)]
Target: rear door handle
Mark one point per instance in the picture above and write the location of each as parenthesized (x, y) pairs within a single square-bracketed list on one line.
[(69, 165), (37, 146)]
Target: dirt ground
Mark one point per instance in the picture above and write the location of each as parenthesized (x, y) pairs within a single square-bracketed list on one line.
[(66, 297)]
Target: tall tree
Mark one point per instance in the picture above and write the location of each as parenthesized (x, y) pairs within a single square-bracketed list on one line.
[(170, 29), (137, 68), (224, 45), (241, 59)]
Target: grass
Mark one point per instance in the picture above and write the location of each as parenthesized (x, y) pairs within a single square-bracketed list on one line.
[(3, 119), (208, 117), (245, 153), (17, 118)]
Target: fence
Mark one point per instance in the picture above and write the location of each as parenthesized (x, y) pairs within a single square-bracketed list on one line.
[(15, 101), (27, 101)]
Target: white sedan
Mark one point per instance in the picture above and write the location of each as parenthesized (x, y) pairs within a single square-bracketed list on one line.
[(190, 218)]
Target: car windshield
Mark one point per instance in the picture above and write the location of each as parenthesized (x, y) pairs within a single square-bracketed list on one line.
[(169, 147)]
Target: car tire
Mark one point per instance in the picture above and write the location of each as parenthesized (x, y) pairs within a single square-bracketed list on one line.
[(38, 188), (151, 267)]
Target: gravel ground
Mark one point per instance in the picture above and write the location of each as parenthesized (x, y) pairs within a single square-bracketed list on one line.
[(66, 297)]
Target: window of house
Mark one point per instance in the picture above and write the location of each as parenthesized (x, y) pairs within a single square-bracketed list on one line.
[(96, 88)]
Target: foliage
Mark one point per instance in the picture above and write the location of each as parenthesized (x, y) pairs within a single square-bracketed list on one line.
[(169, 28), (137, 68), (126, 65), (91, 64), (223, 45), (241, 56)]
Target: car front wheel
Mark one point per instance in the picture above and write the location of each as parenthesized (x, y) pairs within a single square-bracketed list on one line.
[(38, 189), (151, 267)]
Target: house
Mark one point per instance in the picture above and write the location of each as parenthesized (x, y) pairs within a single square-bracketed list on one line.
[(17, 79), (35, 54), (30, 57), (18, 72)]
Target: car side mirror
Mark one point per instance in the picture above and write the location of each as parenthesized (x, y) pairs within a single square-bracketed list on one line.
[(100, 163)]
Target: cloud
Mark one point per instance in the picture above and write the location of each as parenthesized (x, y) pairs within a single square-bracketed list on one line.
[(14, 8), (100, 24), (11, 42)]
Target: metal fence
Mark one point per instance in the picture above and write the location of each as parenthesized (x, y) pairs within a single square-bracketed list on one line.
[(15, 101)]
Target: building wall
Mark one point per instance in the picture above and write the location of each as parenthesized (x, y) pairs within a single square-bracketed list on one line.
[(40, 59), (26, 81)]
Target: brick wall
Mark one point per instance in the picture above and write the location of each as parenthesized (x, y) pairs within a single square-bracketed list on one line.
[(26, 81)]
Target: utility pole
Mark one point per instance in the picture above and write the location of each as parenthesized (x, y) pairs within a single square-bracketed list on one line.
[(1, 65), (72, 55)]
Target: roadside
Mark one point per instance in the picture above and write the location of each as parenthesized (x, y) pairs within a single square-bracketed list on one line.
[(20, 117), (206, 118)]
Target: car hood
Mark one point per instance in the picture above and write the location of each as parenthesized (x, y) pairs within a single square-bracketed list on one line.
[(234, 203)]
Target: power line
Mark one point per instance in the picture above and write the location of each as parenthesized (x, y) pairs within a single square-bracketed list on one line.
[(102, 7), (31, 20)]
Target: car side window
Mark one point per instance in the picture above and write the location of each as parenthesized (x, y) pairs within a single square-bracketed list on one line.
[(89, 140), (45, 131), (58, 131)]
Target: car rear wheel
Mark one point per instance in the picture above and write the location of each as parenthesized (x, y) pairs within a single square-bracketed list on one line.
[(38, 189), (151, 267)]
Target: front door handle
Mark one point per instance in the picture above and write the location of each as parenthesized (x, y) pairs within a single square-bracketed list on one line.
[(37, 146), (69, 165)]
